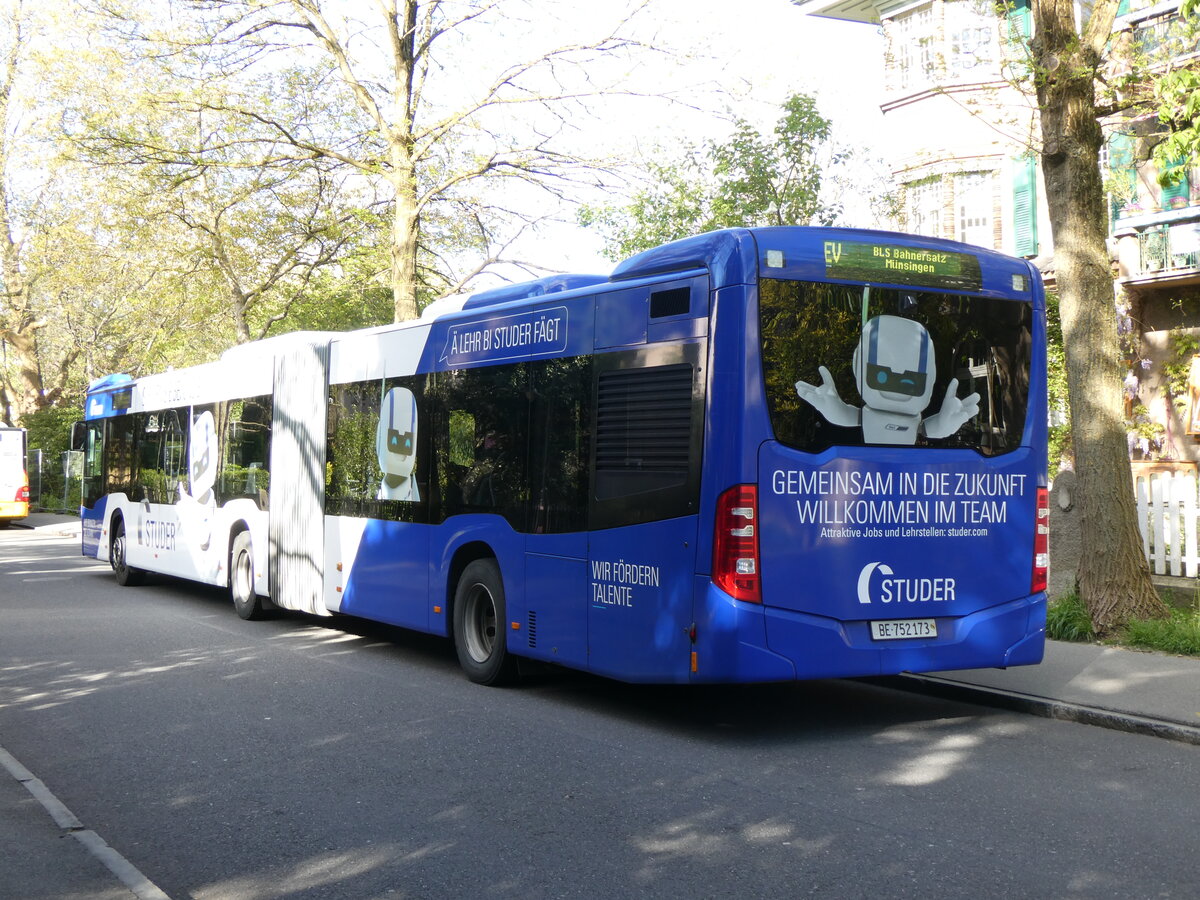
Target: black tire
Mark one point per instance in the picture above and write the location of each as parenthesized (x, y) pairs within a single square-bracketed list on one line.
[(479, 619), (127, 575), (248, 604)]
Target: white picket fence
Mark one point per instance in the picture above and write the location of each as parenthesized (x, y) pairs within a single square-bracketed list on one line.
[(1167, 516)]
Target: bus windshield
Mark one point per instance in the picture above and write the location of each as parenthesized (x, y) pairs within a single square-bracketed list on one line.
[(854, 365)]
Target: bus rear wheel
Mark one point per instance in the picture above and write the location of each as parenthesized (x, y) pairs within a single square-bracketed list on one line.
[(479, 636), (127, 575), (241, 579)]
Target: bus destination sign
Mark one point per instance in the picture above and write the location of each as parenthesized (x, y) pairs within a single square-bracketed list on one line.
[(898, 264)]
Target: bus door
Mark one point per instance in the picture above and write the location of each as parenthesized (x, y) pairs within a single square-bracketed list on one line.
[(156, 538), (643, 516), (556, 545), (88, 437)]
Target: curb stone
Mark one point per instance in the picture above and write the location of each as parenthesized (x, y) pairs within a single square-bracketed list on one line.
[(1045, 707)]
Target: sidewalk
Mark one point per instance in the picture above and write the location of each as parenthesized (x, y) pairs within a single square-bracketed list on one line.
[(1129, 690), (48, 854), (50, 523)]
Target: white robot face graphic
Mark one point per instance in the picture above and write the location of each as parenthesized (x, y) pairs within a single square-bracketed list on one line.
[(895, 370), (396, 435), (894, 365), (203, 455)]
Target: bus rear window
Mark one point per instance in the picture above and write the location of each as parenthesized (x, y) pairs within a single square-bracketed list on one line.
[(854, 365)]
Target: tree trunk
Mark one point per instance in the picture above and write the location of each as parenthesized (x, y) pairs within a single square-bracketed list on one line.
[(27, 393), (405, 228), (18, 325), (1114, 578)]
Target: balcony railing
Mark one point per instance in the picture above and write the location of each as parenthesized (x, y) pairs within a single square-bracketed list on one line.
[(1166, 37), (1158, 255)]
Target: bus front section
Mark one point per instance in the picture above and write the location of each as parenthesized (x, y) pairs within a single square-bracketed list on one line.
[(898, 517)]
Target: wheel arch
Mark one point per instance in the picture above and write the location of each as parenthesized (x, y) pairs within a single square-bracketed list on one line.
[(463, 557), (238, 526), (117, 518)]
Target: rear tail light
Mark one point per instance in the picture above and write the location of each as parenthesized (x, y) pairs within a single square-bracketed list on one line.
[(736, 567), (23, 494), (1041, 542)]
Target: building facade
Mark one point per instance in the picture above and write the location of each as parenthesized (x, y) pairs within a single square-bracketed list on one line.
[(962, 139)]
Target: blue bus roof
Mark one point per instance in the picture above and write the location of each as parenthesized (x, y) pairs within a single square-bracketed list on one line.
[(738, 255), (551, 284)]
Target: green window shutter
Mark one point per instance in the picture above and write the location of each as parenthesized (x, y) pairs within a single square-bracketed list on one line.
[(1123, 174), (1025, 207), (1017, 31), (1123, 8), (1180, 189), (1120, 151), (1020, 20)]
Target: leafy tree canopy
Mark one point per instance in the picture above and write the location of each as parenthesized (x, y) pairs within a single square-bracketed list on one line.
[(1177, 92), (749, 179)]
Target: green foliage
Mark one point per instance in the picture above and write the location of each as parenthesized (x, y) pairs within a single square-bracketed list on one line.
[(748, 180), (1067, 619), (1178, 634), (1060, 404), (1141, 425), (339, 302), (1177, 97), (1184, 345), (355, 472), (49, 429)]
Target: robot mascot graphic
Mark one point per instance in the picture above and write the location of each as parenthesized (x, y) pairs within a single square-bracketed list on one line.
[(896, 383), (197, 500), (396, 445)]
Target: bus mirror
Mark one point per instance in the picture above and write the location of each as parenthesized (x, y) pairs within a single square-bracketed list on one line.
[(79, 436)]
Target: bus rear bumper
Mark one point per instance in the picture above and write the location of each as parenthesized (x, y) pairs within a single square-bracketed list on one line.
[(1008, 634), (13, 509), (731, 640), (738, 641)]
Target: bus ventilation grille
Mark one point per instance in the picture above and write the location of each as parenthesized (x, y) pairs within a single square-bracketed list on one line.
[(532, 630), (675, 302), (643, 433)]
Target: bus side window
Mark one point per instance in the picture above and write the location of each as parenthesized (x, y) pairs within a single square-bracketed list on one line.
[(175, 466), (245, 429), (119, 455), (461, 458), (351, 470), (560, 420), (482, 441), (147, 443)]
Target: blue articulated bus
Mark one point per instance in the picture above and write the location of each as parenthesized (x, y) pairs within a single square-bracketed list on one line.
[(751, 455)]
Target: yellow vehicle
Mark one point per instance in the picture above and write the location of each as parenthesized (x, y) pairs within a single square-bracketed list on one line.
[(14, 477)]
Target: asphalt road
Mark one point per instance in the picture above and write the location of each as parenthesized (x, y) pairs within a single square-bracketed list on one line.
[(314, 758)]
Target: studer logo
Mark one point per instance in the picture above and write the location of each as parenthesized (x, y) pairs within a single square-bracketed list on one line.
[(877, 583)]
